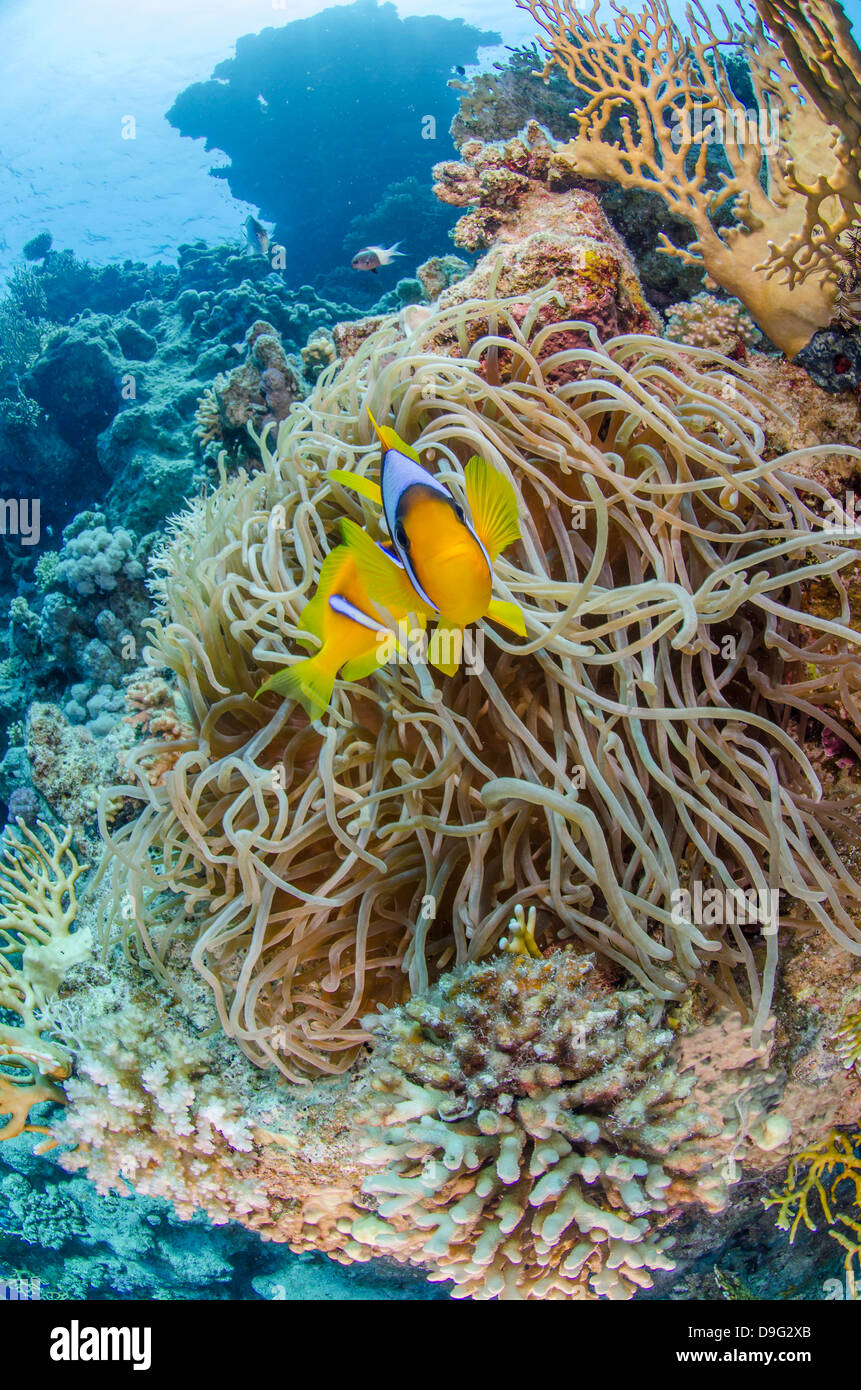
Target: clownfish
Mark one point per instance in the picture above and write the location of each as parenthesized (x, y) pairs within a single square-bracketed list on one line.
[(354, 641), (440, 563)]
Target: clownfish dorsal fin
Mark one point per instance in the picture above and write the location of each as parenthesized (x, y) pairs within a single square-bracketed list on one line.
[(357, 482), (390, 439), (493, 505)]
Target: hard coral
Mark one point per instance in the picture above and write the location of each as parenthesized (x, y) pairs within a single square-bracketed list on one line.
[(708, 322), (290, 1162), (156, 709), (259, 392), (535, 1125)]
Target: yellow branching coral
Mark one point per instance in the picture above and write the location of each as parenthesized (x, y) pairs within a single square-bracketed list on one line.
[(828, 1171), (647, 734), (664, 91), (38, 906), (816, 40)]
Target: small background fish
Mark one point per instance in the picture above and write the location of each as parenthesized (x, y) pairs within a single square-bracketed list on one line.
[(372, 257)]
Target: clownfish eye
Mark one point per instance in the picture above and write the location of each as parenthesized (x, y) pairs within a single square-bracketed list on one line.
[(401, 536), (458, 511)]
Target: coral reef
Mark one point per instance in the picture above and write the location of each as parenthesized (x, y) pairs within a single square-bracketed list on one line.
[(69, 768), (326, 867), (534, 980), (92, 556), (79, 631), (264, 132), (663, 81), (537, 227), (492, 1047), (101, 372), (73, 1242), (259, 392), (800, 417)]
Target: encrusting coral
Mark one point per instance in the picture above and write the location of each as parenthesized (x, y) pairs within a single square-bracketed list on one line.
[(643, 738), (526, 210), (656, 94), (38, 907)]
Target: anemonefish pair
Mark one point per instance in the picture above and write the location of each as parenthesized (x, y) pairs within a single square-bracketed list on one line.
[(437, 566)]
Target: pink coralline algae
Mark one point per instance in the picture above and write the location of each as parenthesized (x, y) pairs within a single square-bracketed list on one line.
[(539, 226), (835, 748)]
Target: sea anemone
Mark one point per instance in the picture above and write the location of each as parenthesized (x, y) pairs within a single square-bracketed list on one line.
[(647, 735)]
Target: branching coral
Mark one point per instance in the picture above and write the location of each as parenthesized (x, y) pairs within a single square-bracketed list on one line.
[(822, 1171), (669, 91), (708, 322), (816, 40), (647, 735), (156, 711), (533, 1124), (172, 1131), (38, 905)]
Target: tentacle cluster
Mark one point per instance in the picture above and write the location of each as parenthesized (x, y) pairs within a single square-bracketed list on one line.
[(647, 734)]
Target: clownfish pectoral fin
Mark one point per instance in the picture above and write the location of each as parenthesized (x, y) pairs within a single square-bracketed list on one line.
[(390, 439), (356, 482), (493, 504), (445, 647), (361, 666), (385, 581), (306, 683), (508, 614)]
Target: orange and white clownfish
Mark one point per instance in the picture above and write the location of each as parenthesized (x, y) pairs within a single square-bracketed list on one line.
[(441, 562), (355, 640)]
